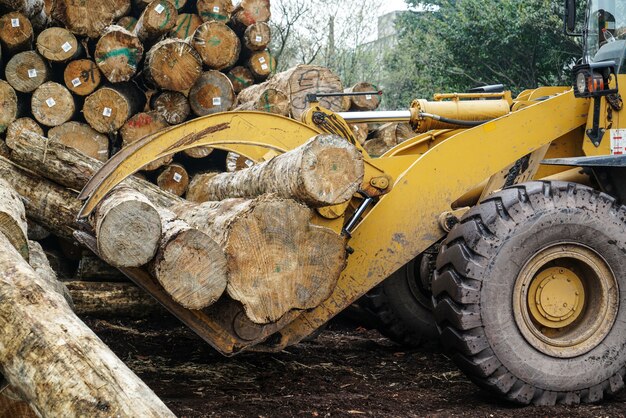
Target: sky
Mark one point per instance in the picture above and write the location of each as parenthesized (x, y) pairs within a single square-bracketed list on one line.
[(393, 5)]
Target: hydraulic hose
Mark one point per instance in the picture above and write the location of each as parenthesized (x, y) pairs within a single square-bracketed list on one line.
[(468, 123)]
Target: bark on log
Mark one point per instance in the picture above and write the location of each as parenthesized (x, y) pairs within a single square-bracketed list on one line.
[(29, 8), (360, 131), (39, 262), (277, 260), (26, 71), (43, 19), (174, 179), (107, 109), (93, 269), (52, 104), (158, 18), (16, 32), (265, 100), (198, 152), (82, 77), (118, 53), (57, 44), (8, 103), (140, 126), (19, 126), (212, 93), (140, 5), (128, 228), (257, 36), (299, 81), (13, 219), (235, 162), (241, 78), (83, 138), (112, 300), (364, 103), (172, 105), (325, 171), (89, 17), (5, 151), (192, 284), (217, 44), (249, 12), (186, 25), (261, 64), (215, 10), (13, 407), (127, 22), (388, 136), (173, 64), (101, 385)]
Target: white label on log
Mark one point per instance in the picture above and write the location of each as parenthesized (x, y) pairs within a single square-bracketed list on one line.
[(216, 9), (76, 82), (50, 102), (15, 23), (107, 112), (368, 97), (217, 101), (32, 73), (262, 60), (66, 47), (249, 163), (258, 38), (264, 67), (159, 9), (177, 177)]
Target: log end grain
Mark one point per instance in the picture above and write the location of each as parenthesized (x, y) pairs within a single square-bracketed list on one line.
[(16, 32), (186, 25), (172, 105), (26, 71), (173, 64), (215, 10), (52, 104), (218, 45), (212, 93), (57, 44), (83, 138), (82, 77), (8, 103), (118, 53), (174, 179), (18, 127)]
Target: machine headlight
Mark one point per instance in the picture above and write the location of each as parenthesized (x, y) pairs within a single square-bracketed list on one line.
[(581, 82)]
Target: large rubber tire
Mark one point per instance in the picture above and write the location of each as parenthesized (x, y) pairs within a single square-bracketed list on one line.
[(403, 307), (478, 265)]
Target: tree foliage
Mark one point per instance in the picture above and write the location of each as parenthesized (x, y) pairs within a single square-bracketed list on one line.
[(467, 43)]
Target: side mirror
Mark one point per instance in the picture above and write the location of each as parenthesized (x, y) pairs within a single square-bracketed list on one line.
[(570, 16)]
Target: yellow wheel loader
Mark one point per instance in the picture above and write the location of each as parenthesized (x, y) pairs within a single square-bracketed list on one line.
[(515, 202)]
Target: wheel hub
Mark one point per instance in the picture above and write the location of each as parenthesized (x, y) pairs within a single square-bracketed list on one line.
[(556, 297)]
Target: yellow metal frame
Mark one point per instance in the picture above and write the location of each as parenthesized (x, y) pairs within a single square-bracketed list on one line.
[(426, 174)]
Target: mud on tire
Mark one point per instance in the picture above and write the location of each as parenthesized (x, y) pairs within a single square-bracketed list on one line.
[(478, 267)]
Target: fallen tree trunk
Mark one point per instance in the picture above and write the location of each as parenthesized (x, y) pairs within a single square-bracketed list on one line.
[(325, 171), (73, 375), (276, 260), (13, 218)]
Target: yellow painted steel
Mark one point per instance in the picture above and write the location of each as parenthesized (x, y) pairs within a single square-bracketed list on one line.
[(556, 297)]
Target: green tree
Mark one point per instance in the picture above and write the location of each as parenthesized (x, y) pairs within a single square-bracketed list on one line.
[(461, 44)]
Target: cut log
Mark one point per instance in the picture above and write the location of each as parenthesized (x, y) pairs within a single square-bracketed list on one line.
[(140, 126), (93, 269), (29, 8), (198, 152), (128, 228), (217, 44), (257, 36), (101, 385), (127, 22), (172, 105), (13, 219), (43, 19), (82, 137), (82, 77), (249, 12), (266, 100), (364, 103), (89, 17), (241, 78), (16, 32), (174, 179), (8, 103), (112, 300), (140, 5), (388, 136), (215, 10), (277, 260), (57, 44), (158, 18), (19, 126), (39, 262), (14, 407), (52, 104), (173, 64), (186, 25), (5, 151), (107, 109), (325, 171), (360, 131), (26, 71), (236, 162), (212, 93), (261, 64), (118, 53), (192, 284)]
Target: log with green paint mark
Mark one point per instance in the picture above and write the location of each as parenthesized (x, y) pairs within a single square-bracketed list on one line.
[(215, 10), (118, 53), (157, 19), (217, 44)]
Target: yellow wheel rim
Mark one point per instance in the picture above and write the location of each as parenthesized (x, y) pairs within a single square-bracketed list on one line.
[(565, 300)]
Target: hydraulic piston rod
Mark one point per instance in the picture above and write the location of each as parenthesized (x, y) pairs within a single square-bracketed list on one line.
[(376, 117)]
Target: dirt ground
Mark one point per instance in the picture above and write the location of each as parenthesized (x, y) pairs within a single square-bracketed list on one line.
[(348, 371)]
